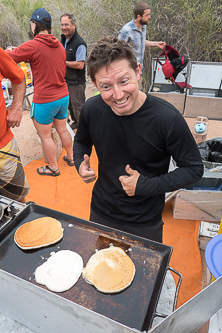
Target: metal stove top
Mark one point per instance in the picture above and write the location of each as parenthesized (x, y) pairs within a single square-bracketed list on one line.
[(9, 209)]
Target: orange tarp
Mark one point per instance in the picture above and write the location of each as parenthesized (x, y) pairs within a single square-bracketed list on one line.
[(66, 193), (69, 194), (186, 258)]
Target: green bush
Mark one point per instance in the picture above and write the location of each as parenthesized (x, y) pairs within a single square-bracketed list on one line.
[(194, 27)]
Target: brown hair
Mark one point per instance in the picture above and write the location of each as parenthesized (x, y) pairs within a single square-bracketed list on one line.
[(70, 16), (107, 50), (41, 26), (139, 9)]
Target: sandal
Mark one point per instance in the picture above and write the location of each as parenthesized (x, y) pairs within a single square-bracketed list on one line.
[(69, 162), (53, 173)]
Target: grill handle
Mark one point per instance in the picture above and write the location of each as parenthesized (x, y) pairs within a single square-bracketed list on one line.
[(177, 287), (161, 315)]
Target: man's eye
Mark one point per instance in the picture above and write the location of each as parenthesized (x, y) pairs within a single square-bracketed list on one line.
[(124, 81), (105, 87)]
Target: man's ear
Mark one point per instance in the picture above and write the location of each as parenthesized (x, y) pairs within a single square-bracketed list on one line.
[(94, 83), (96, 92), (138, 71)]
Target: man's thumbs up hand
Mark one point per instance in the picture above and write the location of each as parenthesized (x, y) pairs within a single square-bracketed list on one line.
[(129, 182), (87, 174)]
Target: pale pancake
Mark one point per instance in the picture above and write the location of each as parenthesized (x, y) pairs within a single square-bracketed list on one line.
[(61, 271), (109, 270), (38, 233)]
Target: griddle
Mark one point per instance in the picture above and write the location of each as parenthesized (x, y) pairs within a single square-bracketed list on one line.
[(133, 307)]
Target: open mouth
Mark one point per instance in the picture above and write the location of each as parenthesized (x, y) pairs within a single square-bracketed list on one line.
[(122, 102)]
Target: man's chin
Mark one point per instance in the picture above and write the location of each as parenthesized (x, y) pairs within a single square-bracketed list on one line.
[(121, 112)]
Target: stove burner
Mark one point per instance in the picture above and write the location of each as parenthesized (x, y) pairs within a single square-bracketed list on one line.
[(8, 209), (11, 211)]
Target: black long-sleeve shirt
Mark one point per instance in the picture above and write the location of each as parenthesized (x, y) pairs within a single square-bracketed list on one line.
[(145, 140)]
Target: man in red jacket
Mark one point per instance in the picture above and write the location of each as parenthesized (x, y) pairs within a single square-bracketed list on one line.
[(13, 183)]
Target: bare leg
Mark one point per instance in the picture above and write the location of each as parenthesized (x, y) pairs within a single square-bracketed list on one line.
[(48, 145), (60, 126)]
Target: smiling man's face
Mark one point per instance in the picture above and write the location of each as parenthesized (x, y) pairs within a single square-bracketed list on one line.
[(68, 28), (118, 85)]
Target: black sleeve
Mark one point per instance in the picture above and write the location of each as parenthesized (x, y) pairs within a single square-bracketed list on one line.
[(181, 145), (82, 141)]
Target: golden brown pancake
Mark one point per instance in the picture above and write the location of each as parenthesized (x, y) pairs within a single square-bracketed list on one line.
[(110, 270), (38, 233)]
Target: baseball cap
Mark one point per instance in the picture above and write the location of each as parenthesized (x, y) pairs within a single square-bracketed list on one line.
[(39, 14)]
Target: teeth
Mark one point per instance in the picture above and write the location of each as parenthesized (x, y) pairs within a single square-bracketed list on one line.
[(121, 102)]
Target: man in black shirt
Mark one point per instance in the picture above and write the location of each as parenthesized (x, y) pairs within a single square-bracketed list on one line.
[(134, 135), (75, 65)]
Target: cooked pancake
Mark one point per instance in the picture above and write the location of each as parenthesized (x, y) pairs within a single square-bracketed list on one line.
[(61, 271), (38, 233), (109, 270)]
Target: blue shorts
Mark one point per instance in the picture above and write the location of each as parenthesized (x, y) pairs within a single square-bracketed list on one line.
[(44, 113)]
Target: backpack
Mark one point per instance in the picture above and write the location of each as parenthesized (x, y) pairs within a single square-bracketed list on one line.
[(173, 65)]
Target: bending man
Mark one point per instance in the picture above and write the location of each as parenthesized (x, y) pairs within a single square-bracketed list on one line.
[(13, 183), (135, 135)]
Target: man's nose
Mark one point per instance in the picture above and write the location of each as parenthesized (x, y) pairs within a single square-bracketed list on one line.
[(117, 92)]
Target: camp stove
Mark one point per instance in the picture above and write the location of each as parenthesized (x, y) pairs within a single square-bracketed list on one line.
[(8, 210)]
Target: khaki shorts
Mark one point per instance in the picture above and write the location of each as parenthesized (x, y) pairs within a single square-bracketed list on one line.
[(13, 182)]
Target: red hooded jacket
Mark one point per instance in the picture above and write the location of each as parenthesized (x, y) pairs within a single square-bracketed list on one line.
[(47, 58)]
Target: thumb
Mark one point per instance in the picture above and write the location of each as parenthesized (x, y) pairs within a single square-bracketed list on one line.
[(129, 170), (86, 159)]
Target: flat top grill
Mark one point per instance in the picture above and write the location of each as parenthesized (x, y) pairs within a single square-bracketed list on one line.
[(133, 307)]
